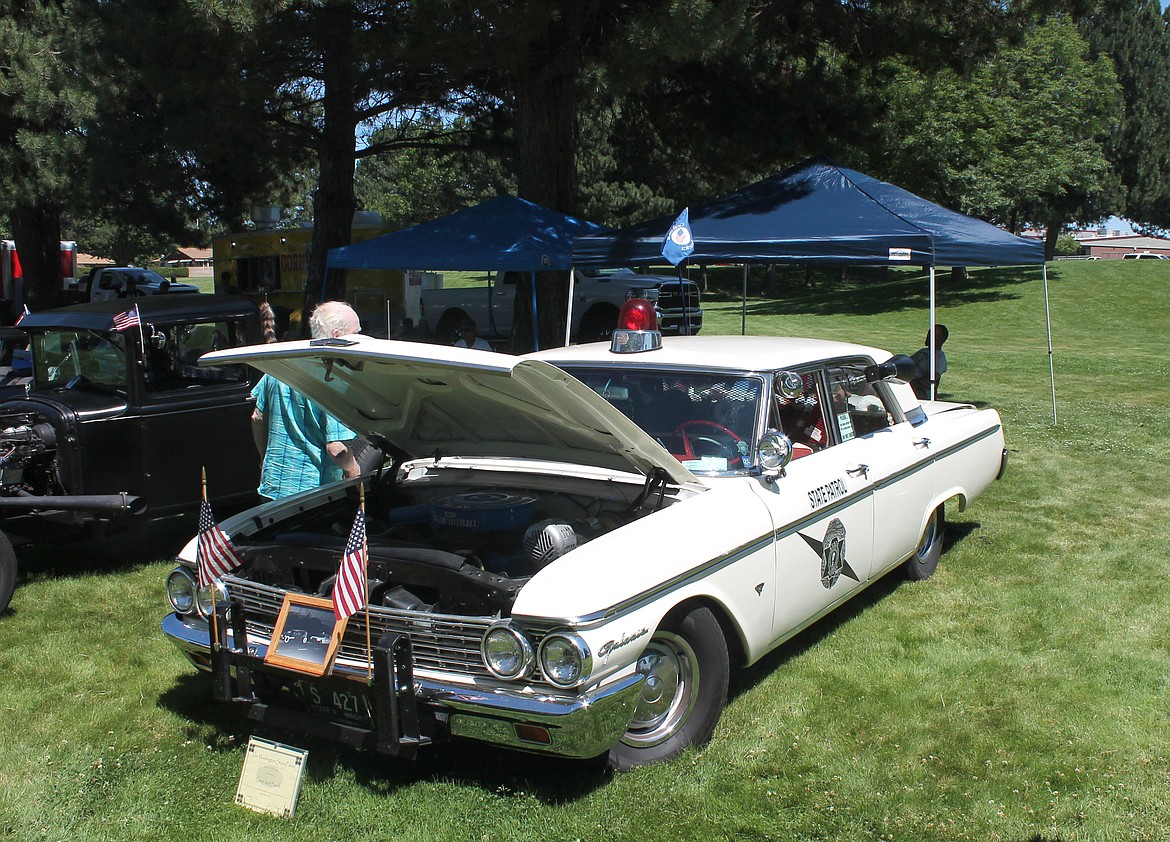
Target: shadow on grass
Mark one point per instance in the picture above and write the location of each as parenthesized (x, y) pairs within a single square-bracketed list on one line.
[(553, 780), (503, 772), (746, 679), (118, 551)]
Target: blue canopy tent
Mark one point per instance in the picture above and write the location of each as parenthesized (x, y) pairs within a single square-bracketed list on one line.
[(502, 234), (818, 212)]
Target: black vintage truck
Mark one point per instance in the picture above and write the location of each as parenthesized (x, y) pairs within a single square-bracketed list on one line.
[(107, 420)]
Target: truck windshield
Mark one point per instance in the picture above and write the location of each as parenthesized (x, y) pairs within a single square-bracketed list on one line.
[(62, 356)]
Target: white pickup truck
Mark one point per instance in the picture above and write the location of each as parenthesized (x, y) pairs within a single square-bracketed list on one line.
[(598, 295), (106, 282)]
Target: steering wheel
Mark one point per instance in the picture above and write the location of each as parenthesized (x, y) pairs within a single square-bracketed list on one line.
[(685, 429)]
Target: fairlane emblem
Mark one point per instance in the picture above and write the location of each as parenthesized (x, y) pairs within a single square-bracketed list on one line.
[(832, 553)]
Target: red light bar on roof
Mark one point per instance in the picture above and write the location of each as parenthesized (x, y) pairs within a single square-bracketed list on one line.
[(637, 328)]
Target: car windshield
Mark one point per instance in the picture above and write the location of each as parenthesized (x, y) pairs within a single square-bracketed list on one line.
[(706, 420), (80, 356)]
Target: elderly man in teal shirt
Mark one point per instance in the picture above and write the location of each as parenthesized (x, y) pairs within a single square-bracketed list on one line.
[(302, 445)]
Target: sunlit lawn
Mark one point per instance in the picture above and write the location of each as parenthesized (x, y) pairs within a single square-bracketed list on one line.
[(1020, 694)]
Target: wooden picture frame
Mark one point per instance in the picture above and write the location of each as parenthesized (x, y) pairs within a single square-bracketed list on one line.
[(306, 635)]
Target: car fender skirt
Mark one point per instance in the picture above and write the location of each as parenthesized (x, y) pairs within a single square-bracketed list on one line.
[(114, 503)]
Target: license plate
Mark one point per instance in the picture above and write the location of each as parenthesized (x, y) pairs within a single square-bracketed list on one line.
[(332, 703)]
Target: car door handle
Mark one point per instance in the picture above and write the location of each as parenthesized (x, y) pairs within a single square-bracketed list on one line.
[(859, 471), (922, 443)]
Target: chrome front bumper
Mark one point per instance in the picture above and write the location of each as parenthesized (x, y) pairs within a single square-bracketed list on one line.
[(569, 725)]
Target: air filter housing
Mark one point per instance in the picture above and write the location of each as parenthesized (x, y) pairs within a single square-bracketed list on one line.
[(548, 540), (483, 511)]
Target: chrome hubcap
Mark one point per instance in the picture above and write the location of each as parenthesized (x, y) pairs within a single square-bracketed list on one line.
[(668, 692)]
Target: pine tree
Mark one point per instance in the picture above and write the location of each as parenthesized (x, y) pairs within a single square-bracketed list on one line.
[(43, 107), (1135, 34)]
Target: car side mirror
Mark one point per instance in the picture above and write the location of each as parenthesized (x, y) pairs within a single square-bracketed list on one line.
[(773, 453), (789, 384), (897, 367)]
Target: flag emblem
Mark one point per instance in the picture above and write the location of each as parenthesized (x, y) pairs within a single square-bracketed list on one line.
[(215, 555), (125, 321), (678, 243), (349, 591)]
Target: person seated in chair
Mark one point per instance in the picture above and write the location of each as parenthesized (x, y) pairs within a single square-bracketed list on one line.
[(924, 387)]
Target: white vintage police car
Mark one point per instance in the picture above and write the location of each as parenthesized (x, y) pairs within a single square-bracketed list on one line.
[(568, 551)]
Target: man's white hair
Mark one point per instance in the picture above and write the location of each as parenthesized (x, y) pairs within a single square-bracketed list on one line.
[(333, 316)]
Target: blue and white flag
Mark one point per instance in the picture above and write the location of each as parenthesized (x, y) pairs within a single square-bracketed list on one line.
[(678, 245)]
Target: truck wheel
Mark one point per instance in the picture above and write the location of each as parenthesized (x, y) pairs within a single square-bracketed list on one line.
[(597, 325), (7, 572), (685, 689)]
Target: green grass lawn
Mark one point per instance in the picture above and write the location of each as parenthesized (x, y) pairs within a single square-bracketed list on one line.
[(1020, 694)]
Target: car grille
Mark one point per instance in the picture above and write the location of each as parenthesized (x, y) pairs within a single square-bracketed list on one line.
[(440, 642), (669, 297)]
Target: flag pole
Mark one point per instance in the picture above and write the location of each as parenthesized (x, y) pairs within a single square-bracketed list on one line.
[(365, 570), (142, 342), (199, 549)]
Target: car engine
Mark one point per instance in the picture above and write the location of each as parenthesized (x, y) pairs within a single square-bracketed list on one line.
[(450, 551), (28, 454)]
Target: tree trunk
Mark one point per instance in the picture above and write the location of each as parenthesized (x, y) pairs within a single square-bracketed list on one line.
[(333, 202), (1050, 237), (546, 147), (551, 308), (37, 233)]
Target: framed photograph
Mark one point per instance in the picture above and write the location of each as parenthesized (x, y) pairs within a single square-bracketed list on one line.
[(306, 635)]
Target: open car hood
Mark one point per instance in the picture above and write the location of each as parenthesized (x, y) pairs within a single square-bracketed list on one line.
[(433, 400)]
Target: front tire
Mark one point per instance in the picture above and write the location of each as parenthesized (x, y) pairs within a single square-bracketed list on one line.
[(924, 562), (685, 690), (7, 572)]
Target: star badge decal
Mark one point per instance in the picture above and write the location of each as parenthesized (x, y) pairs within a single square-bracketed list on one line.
[(832, 552)]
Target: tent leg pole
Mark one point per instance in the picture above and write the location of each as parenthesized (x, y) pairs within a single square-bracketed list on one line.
[(569, 311), (743, 307), (930, 337), (535, 323), (1048, 324)]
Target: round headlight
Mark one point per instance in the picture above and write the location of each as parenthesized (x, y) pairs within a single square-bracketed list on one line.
[(506, 652), (181, 591), (204, 602), (565, 659)]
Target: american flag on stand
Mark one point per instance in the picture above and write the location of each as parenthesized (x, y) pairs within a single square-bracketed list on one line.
[(127, 320), (349, 591), (215, 556)]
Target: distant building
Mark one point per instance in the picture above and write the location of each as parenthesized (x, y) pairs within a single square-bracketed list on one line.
[(198, 261), (1116, 247), (85, 262), (1079, 234)]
